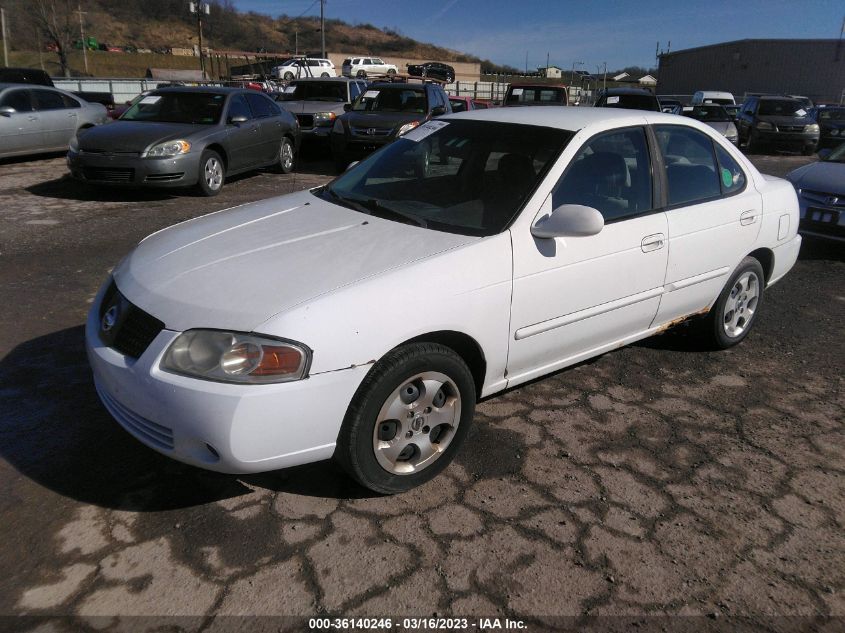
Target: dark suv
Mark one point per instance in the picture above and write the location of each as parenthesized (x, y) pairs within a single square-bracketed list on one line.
[(781, 122), (382, 113), (630, 98), (434, 70)]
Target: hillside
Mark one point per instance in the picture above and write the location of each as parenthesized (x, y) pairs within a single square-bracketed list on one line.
[(165, 24)]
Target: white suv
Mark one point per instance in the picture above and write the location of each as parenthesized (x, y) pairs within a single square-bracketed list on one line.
[(365, 66), (299, 67)]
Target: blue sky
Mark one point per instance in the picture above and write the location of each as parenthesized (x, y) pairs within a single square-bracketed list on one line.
[(589, 31)]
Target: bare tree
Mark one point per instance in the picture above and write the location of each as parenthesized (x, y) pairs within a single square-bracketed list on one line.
[(57, 20)]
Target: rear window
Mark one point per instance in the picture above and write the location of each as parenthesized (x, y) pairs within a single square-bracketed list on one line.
[(631, 102), (781, 107), (333, 91), (532, 95), (388, 99)]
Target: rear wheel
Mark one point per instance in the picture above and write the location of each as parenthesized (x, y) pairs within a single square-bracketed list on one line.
[(362, 74), (391, 72), (212, 173), (324, 74), (407, 419), (288, 76), (735, 311), (752, 145)]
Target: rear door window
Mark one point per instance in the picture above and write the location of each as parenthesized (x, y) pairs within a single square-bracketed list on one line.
[(17, 99), (238, 107), (731, 176), (260, 105), (691, 171), (48, 100)]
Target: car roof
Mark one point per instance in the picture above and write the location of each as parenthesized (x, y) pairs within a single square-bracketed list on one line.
[(399, 84), (571, 117), (324, 80)]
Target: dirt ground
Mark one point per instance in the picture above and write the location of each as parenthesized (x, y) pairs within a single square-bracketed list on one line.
[(655, 487)]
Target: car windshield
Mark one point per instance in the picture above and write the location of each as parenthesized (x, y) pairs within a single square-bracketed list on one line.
[(390, 99), (837, 155), (534, 95), (632, 102), (781, 107), (711, 113), (202, 108), (318, 91), (832, 114), (460, 176)]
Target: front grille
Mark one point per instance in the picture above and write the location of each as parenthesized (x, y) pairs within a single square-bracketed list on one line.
[(791, 128), (824, 199), (164, 177), (146, 430), (305, 120), (109, 174), (131, 330), (365, 131)]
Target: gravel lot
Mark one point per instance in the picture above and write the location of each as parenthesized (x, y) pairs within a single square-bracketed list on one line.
[(657, 480)]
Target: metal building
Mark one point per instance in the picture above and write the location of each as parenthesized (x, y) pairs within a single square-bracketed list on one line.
[(813, 68)]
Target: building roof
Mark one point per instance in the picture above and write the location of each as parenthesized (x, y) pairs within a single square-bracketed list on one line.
[(749, 41)]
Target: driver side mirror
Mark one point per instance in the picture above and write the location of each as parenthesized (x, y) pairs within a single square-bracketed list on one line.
[(7, 111), (347, 107), (438, 111), (238, 118), (569, 220)]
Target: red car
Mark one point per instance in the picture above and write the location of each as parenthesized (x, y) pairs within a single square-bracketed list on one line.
[(463, 104)]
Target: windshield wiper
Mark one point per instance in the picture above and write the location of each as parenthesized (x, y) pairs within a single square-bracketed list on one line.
[(371, 206)]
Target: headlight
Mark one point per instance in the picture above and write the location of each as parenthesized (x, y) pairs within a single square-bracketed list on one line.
[(338, 126), (169, 148), (236, 357), (764, 125), (407, 128), (813, 128), (324, 118)]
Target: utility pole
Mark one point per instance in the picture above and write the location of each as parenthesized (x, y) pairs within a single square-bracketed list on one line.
[(81, 36), (5, 48), (526, 62), (322, 31), (199, 8)]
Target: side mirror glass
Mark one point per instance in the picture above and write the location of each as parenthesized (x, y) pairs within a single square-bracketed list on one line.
[(569, 220), (238, 118), (347, 107), (438, 111), (7, 111)]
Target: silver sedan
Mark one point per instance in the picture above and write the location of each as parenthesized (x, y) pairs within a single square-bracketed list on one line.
[(38, 119)]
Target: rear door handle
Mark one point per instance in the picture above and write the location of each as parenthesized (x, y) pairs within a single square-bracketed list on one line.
[(32, 117), (748, 217), (653, 242)]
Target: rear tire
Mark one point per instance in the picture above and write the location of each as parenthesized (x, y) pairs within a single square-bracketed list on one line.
[(752, 146), (362, 74), (324, 74), (408, 418), (212, 173), (391, 72), (286, 160), (735, 311), (288, 76)]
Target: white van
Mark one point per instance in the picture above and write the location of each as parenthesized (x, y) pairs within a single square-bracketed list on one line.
[(712, 96), (299, 67)]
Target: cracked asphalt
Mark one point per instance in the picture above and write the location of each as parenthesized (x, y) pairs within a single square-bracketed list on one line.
[(654, 482)]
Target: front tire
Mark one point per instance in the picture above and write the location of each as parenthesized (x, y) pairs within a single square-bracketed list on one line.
[(288, 76), (362, 74), (408, 418), (735, 311), (390, 72), (212, 173)]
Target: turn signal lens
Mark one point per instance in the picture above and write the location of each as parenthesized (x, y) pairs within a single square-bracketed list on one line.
[(236, 357), (407, 128)]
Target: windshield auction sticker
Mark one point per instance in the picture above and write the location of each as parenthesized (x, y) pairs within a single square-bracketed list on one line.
[(424, 130), (371, 94), (150, 100)]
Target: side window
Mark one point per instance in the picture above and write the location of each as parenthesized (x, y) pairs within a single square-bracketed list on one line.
[(611, 173), (259, 105), (48, 100), (731, 176), (17, 99), (238, 107), (691, 171), (70, 102), (354, 90)]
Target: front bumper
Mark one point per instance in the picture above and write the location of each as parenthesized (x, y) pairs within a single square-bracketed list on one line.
[(787, 140), (135, 171), (349, 147), (821, 220), (223, 427)]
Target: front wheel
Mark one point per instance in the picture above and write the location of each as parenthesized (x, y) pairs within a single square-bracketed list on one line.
[(390, 72), (288, 76), (212, 173), (735, 311), (324, 74), (362, 74), (285, 159), (407, 419)]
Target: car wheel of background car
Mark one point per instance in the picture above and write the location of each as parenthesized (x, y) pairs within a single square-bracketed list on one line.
[(324, 74), (285, 161), (752, 146), (390, 72), (735, 311), (288, 76), (212, 173), (407, 419), (362, 74)]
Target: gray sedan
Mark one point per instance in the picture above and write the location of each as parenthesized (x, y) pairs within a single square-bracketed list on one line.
[(180, 137), (821, 195), (39, 119)]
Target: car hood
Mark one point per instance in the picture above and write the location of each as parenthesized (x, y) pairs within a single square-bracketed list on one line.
[(825, 177), (135, 136), (310, 107), (382, 120), (236, 268)]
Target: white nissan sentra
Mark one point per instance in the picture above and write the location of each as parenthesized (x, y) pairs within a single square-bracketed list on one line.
[(362, 320)]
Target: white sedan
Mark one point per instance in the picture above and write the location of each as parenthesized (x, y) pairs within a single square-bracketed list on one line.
[(362, 320)]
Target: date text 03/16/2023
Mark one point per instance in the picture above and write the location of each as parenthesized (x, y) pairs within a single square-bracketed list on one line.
[(415, 624)]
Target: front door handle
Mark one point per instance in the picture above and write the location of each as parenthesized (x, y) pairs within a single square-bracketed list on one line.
[(653, 242), (32, 118), (748, 217)]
